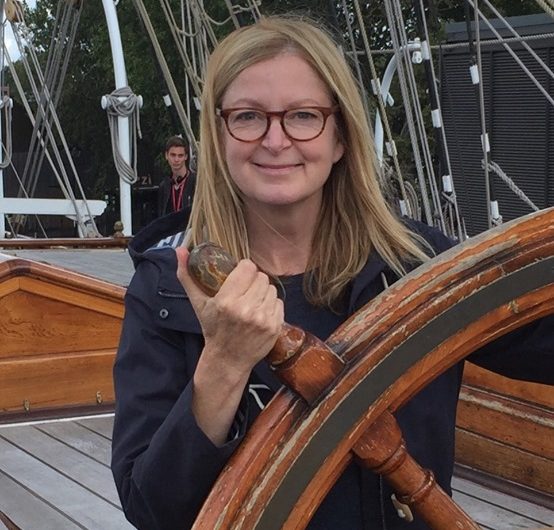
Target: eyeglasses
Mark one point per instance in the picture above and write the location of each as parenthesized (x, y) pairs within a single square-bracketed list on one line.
[(301, 124)]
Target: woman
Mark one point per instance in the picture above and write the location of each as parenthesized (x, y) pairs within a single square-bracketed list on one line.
[(286, 183)]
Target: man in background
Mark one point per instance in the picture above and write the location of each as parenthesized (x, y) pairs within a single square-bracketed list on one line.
[(176, 191)]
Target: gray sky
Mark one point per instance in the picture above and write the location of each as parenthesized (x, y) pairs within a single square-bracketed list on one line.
[(9, 40)]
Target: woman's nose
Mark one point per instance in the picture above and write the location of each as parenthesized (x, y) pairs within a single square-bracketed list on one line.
[(275, 138)]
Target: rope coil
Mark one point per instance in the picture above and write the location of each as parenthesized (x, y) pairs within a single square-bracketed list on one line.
[(123, 103)]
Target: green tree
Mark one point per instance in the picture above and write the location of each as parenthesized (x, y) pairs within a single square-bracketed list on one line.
[(90, 73)]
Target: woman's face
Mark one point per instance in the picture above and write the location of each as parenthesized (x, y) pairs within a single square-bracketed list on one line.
[(276, 171)]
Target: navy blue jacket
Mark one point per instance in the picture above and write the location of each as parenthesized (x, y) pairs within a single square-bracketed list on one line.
[(164, 465)]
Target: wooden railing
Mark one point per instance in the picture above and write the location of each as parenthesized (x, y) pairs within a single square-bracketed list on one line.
[(73, 242), (59, 333)]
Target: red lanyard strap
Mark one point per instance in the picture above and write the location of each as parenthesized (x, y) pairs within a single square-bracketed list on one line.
[(177, 195)]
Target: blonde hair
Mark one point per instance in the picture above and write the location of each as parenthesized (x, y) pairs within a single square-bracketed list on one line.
[(354, 219)]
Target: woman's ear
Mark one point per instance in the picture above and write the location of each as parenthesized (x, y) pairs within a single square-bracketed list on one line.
[(338, 151)]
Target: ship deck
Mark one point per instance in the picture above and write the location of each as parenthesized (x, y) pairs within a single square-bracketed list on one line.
[(109, 264), (55, 475)]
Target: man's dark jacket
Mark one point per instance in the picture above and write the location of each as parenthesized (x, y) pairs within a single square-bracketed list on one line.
[(164, 194), (164, 465)]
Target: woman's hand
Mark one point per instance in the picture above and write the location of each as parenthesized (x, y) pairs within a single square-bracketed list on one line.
[(240, 325), (242, 321)]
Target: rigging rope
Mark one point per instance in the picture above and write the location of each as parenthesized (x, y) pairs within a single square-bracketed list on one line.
[(484, 44), (252, 9), (122, 103), (547, 6), (63, 181), (514, 55), (449, 192), (173, 92), (493, 166), (355, 56), (192, 76), (54, 77), (476, 71), (400, 44), (66, 187), (382, 113), (419, 120), (6, 105), (37, 218)]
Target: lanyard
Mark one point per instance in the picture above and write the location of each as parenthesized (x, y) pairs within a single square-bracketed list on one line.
[(177, 194)]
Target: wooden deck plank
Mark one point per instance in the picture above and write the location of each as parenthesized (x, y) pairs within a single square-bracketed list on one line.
[(102, 425), (496, 498), (112, 265), (80, 438), (82, 505), (494, 517), (28, 511), (65, 460), (46, 469)]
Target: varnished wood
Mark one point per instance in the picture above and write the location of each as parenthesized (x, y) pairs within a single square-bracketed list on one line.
[(515, 419), (506, 436), (379, 342), (512, 422), (56, 381), (10, 525), (70, 242), (522, 391), (36, 323), (60, 332), (382, 449), (308, 370), (506, 461)]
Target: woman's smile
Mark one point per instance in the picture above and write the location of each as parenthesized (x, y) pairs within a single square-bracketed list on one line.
[(276, 169)]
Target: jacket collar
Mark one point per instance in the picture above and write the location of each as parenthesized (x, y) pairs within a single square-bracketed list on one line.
[(367, 284), (153, 233), (176, 222)]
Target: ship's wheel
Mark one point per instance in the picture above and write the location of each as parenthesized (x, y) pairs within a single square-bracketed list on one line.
[(370, 367)]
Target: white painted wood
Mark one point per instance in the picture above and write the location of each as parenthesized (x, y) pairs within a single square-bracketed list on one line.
[(50, 206)]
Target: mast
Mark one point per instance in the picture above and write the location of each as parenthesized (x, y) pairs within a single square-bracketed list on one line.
[(120, 75), (8, 102)]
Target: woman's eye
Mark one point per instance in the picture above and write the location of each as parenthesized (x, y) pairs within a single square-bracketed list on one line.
[(247, 115), (303, 115)]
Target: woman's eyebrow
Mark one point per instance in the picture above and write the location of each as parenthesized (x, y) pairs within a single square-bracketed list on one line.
[(256, 104)]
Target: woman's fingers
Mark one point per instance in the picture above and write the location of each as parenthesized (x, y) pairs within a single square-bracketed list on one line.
[(243, 320)]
